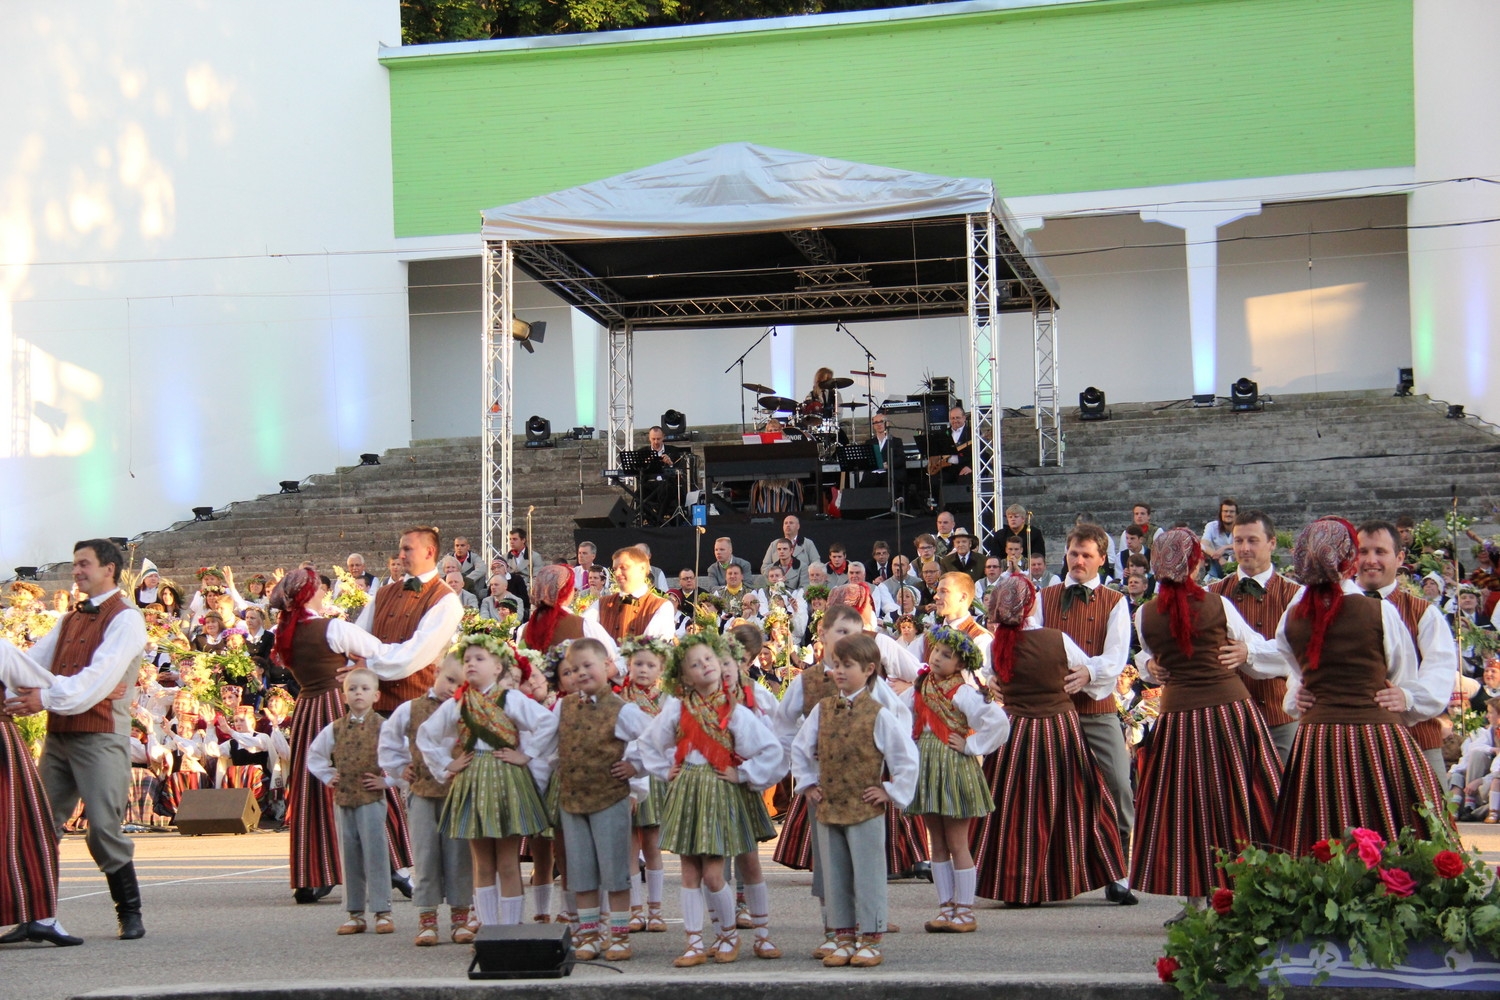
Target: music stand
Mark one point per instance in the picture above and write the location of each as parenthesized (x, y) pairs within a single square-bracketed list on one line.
[(855, 457), (630, 467)]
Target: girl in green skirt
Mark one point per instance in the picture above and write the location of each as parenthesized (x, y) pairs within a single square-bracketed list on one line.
[(645, 658)]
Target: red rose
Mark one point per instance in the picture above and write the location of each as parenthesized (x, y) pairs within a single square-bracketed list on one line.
[(1448, 864), (1223, 901), (1166, 968), (1323, 851), (1369, 844), (1398, 882)]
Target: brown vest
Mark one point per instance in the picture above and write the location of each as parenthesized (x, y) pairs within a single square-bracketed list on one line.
[(816, 685), (1428, 733), (587, 748), (1035, 688), (848, 759), (1263, 615), (314, 665), (398, 611), (1352, 667), (355, 754), (621, 620), (422, 782), (1196, 681), (1088, 626), (79, 636)]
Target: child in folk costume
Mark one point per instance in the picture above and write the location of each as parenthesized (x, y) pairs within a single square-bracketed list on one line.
[(494, 745), (752, 898), (595, 726), (345, 757), (1054, 833), (645, 659), (955, 727), (838, 759), (546, 848), (441, 865), (703, 746)]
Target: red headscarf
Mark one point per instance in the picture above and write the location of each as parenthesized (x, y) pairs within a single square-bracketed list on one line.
[(856, 595), (1325, 555), (290, 598), (1174, 559), (551, 588), (1007, 605)]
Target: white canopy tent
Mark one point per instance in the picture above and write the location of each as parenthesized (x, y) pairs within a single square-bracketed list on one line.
[(743, 235)]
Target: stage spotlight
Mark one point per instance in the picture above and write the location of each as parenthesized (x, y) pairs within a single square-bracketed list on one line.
[(26, 572), (121, 542), (203, 514), (1404, 382), (291, 486), (538, 432), (674, 426), (1244, 396), (1091, 404), (1205, 399), (582, 434), (369, 458), (1455, 411), (527, 334)]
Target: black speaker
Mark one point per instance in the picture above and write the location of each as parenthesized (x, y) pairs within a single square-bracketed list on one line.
[(864, 501), (619, 514), (524, 951)]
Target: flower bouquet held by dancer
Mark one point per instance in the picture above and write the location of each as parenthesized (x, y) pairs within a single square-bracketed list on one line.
[(954, 727), (1211, 773), (1353, 763), (703, 746), (1053, 835), (494, 745), (645, 659)]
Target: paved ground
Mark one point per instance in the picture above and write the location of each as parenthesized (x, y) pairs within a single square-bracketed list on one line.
[(218, 910)]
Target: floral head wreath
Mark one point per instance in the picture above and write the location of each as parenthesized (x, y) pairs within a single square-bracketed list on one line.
[(960, 643), (205, 571), (671, 676), (554, 658), (816, 592), (495, 646), (660, 648), (733, 648)]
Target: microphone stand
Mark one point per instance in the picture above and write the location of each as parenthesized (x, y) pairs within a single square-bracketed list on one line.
[(741, 362)]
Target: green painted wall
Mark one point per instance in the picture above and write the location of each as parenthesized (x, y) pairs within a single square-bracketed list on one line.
[(1091, 96)]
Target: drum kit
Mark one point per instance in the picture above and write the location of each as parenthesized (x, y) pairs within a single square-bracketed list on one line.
[(817, 420)]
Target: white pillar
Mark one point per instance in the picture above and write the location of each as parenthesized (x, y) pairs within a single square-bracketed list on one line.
[(784, 362), (1200, 225)]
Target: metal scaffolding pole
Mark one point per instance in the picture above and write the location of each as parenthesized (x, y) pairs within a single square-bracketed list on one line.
[(621, 392), (1049, 439), (984, 403), (498, 419)]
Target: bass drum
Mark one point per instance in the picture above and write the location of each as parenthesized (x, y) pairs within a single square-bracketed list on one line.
[(810, 416)]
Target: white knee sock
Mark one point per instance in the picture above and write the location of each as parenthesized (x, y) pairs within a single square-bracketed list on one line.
[(723, 902), (637, 893), (654, 879), (692, 911), (942, 880), (487, 904), (963, 886), (570, 901), (541, 899), (1495, 802), (512, 909), (758, 899)]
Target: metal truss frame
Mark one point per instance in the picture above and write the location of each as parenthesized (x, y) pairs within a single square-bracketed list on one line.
[(621, 433), (1048, 414), (497, 420), (984, 383)]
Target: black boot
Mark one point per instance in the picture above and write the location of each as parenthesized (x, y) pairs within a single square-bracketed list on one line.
[(126, 892)]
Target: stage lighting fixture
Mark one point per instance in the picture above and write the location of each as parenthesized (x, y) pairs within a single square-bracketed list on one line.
[(674, 426), (1244, 396), (538, 432), (1404, 382), (369, 458), (527, 334), (1091, 404), (203, 514), (1455, 411), (291, 486), (26, 572), (1205, 399), (581, 434), (121, 542)]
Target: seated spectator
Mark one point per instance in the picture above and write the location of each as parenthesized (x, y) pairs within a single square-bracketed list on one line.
[(837, 567), (500, 603), (961, 557), (1037, 571), (723, 556), (1015, 556), (803, 550), (212, 638), (733, 593), (900, 575), (931, 572), (456, 583), (1133, 539), (793, 570), (994, 572), (926, 546), (1489, 686), (879, 568), (1140, 515), (881, 601), (355, 564), (1017, 526), (1432, 587), (943, 533), (395, 572), (1218, 538), (587, 553)]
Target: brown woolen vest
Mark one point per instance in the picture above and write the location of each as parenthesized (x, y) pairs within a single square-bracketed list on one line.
[(587, 748), (1428, 733), (1352, 666), (1263, 616), (1197, 681), (1088, 626), (622, 620), (79, 638), (355, 754), (848, 759), (1035, 689), (398, 611), (816, 685), (314, 665), (422, 782)]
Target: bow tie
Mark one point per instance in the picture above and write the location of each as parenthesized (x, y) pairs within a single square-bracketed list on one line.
[(1375, 594), (412, 583), (87, 608), (627, 599), (843, 705), (1075, 592), (1251, 587)]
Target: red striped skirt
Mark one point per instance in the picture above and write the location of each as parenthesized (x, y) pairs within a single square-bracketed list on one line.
[(309, 803), (244, 776), (28, 844), (175, 785), (1343, 776), (145, 792), (1054, 832), (905, 840), (794, 846), (1210, 781)]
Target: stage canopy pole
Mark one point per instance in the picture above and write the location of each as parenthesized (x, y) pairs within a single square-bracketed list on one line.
[(1049, 439), (621, 391), (984, 389), (498, 418)]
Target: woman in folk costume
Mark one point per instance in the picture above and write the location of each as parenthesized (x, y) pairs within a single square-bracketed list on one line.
[(1053, 834), (1211, 774), (551, 622), (1353, 763)]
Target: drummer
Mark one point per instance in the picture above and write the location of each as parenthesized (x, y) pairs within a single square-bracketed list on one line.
[(825, 394)]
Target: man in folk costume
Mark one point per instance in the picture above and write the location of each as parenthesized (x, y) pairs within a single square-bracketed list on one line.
[(954, 603), (93, 655), (1098, 620), (1261, 596), (634, 610)]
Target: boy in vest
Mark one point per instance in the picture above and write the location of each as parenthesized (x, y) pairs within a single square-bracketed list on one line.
[(594, 727), (441, 865), (345, 757)]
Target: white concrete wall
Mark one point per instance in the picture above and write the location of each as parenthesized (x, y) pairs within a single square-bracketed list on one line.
[(197, 294), (1455, 269)]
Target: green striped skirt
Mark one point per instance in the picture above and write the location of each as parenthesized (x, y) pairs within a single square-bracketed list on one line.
[(760, 817), (949, 783), (491, 798), (705, 815), (551, 802), (648, 810)]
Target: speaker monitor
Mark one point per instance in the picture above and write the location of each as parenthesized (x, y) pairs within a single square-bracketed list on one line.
[(217, 810), (536, 951), (864, 501)]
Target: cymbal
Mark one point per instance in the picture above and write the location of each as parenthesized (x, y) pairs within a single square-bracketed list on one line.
[(840, 383), (777, 403), (852, 406), (757, 388)]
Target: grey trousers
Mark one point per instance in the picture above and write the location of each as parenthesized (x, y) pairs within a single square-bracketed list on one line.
[(1107, 742), (366, 857), (1439, 766), (598, 848), (94, 767), (442, 867), (1282, 738), (853, 865)]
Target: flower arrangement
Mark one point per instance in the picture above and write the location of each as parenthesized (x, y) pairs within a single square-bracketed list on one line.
[(33, 730), (351, 597), (204, 675), (1373, 897), (473, 623), (23, 625)]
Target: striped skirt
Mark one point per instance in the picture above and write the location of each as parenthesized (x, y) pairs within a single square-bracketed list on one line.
[(28, 844), (493, 799), (1210, 781), (794, 846), (244, 776), (309, 803), (905, 840), (145, 792), (1343, 776), (706, 815), (648, 810), (949, 783), (760, 816), (175, 786), (1054, 833)]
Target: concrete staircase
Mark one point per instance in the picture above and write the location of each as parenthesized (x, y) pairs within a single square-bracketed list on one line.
[(1359, 454)]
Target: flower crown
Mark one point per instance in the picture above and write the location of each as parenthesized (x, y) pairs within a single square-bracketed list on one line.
[(660, 648), (497, 647), (204, 571), (671, 675), (554, 659), (816, 592), (960, 643)]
